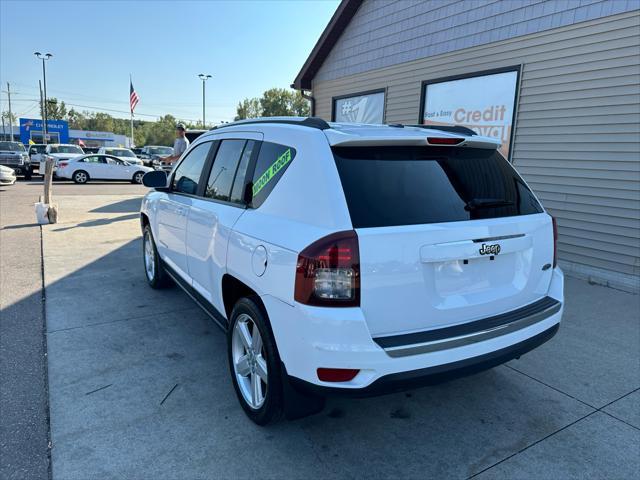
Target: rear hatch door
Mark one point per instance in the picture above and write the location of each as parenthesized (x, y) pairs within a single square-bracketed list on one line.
[(447, 235)]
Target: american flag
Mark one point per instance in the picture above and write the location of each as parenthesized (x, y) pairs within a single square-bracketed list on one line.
[(133, 96)]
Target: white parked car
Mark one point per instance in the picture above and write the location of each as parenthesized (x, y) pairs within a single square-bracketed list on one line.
[(122, 153), (100, 167), (59, 152), (7, 175), (354, 259)]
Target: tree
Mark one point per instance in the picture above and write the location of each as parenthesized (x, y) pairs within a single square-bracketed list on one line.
[(248, 108), (56, 110), (8, 120), (275, 102), (76, 119)]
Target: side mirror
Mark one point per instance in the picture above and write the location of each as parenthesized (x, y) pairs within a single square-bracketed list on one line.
[(156, 179)]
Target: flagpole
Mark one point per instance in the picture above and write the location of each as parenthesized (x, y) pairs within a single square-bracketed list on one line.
[(131, 110)]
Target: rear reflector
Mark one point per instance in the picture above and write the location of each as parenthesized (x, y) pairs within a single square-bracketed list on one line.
[(337, 374), (444, 140)]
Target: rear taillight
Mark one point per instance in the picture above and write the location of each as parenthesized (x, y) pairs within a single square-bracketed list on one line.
[(62, 164), (328, 272), (555, 242), (444, 140)]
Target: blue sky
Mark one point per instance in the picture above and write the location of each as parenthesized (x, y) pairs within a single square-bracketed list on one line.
[(248, 47)]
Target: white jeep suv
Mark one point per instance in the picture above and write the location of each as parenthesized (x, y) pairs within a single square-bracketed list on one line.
[(345, 258)]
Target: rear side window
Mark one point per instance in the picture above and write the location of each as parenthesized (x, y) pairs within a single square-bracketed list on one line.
[(187, 175), (273, 161), (224, 169), (389, 186), (239, 182)]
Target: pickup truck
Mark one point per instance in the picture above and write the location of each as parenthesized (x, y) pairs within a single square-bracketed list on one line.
[(14, 156)]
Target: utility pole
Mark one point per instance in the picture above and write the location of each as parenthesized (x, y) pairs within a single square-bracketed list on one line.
[(10, 114), (204, 78)]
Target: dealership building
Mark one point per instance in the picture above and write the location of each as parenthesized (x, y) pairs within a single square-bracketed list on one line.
[(58, 131), (558, 81)]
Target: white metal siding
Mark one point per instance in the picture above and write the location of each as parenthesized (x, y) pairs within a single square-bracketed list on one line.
[(577, 138)]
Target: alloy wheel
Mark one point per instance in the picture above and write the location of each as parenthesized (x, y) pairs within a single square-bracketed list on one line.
[(149, 257), (138, 177), (249, 361), (81, 177)]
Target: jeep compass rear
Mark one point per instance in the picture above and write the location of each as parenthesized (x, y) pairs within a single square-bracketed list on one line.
[(361, 259)]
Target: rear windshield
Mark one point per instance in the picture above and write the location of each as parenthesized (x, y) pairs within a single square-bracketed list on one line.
[(160, 150), (389, 186), (119, 152), (66, 149)]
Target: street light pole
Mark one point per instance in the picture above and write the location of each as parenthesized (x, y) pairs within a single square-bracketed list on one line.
[(204, 78), (44, 57), (46, 203)]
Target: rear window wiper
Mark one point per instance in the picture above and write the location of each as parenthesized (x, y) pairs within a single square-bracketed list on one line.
[(477, 203)]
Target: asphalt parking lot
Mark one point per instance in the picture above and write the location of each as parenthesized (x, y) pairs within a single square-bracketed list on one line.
[(138, 383)]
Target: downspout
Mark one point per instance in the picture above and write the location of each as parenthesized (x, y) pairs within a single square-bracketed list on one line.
[(311, 98), (312, 101)]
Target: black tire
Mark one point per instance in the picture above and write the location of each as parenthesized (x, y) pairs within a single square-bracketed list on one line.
[(28, 174), (157, 277), (80, 177), (272, 407), (137, 177)]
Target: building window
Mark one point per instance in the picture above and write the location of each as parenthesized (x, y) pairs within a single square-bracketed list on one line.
[(484, 101), (365, 107)]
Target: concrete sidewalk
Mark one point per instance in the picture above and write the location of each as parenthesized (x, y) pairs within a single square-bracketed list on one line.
[(139, 386), (24, 412)]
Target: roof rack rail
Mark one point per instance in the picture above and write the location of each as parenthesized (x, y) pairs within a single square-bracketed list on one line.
[(311, 122), (448, 128)]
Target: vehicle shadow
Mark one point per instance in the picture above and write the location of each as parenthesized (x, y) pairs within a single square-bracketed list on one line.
[(99, 222), (123, 206)]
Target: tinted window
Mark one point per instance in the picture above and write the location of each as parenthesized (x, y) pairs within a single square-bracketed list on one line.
[(224, 169), (187, 174), (237, 192), (387, 186), (66, 149), (273, 161), (94, 159)]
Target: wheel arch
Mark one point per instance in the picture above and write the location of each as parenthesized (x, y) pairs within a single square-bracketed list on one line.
[(233, 290), (144, 220)]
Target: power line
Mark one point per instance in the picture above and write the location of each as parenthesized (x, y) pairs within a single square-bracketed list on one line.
[(111, 110)]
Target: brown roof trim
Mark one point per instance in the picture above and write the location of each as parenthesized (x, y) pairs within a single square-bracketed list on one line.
[(341, 18)]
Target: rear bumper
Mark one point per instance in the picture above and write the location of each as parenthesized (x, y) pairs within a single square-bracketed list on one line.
[(397, 382), (309, 338)]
